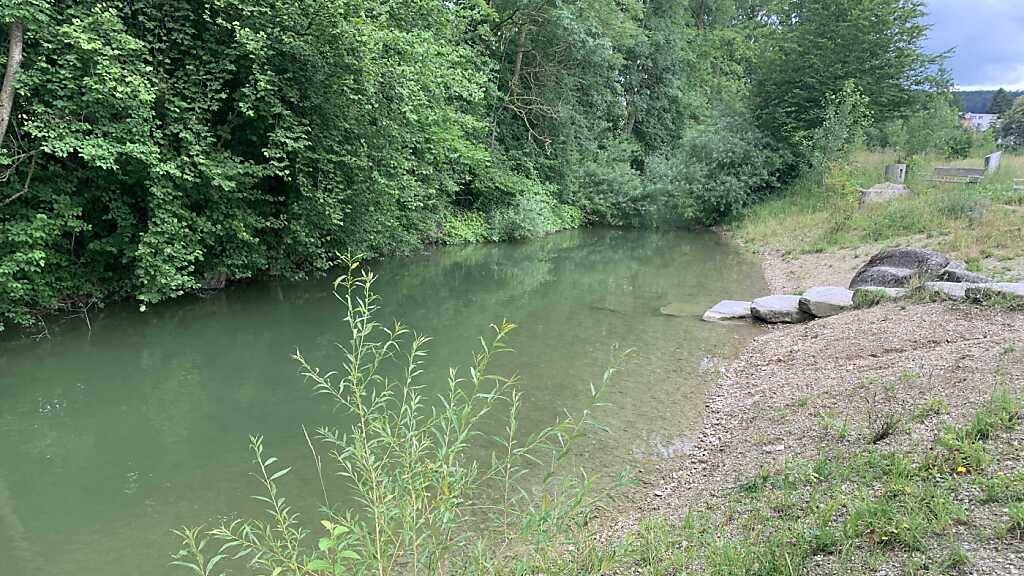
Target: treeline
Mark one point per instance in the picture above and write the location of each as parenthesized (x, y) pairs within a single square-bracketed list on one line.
[(987, 101), (159, 146)]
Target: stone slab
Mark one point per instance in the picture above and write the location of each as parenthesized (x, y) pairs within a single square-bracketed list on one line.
[(825, 301), (728, 310), (780, 309)]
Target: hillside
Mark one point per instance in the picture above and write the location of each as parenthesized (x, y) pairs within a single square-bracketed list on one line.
[(978, 101)]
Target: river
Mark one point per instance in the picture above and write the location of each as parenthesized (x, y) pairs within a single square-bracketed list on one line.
[(112, 436)]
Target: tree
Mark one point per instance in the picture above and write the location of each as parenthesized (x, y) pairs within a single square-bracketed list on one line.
[(876, 44), (1002, 101), (1013, 125)]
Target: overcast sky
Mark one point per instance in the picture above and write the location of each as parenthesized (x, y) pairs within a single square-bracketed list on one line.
[(989, 39)]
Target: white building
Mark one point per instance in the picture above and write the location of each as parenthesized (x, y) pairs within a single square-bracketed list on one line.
[(978, 122)]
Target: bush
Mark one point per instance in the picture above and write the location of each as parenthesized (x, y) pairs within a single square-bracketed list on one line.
[(716, 171), (462, 227), (434, 489), (847, 114)]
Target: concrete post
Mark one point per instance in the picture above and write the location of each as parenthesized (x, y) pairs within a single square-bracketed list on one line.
[(896, 173)]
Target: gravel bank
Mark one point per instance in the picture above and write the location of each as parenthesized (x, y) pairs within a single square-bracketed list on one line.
[(776, 399)]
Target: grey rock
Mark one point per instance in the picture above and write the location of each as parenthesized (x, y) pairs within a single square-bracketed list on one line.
[(728, 310), (883, 276), (883, 193), (1011, 289), (825, 301), (898, 266), (891, 293), (957, 265), (951, 290), (954, 275), (782, 309)]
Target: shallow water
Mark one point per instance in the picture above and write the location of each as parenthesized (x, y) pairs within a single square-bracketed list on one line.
[(109, 438)]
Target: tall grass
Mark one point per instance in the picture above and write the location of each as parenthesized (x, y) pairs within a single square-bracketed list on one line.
[(972, 222), (434, 491)]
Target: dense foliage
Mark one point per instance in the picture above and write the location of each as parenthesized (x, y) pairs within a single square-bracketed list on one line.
[(1012, 129), (161, 147)]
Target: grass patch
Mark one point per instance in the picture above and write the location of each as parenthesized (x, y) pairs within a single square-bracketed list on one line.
[(933, 407), (972, 222)]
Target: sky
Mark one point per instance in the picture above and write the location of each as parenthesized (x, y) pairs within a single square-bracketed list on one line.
[(988, 36)]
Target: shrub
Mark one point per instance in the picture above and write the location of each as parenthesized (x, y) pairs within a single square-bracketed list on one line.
[(715, 171), (464, 227), (433, 490), (847, 114)]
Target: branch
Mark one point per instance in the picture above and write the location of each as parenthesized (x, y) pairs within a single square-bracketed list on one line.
[(28, 180)]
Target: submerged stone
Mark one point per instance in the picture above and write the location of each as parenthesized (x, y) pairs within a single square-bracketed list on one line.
[(680, 309), (781, 309), (728, 310), (825, 301)]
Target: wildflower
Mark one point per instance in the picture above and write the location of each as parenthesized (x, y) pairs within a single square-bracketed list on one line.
[(961, 470)]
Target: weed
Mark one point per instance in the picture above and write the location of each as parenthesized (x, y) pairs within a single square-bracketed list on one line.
[(831, 422), (433, 490), (863, 299), (884, 427), (1016, 511), (1002, 488), (933, 407)]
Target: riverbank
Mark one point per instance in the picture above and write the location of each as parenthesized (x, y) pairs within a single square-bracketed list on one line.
[(862, 386), (880, 441)]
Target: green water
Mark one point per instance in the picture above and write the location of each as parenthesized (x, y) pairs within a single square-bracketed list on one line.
[(109, 438)]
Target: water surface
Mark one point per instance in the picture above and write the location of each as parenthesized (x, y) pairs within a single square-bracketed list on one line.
[(109, 438)]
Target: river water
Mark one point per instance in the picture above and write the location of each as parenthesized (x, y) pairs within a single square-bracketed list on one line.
[(111, 437)]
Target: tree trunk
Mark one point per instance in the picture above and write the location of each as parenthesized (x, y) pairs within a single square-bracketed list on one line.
[(15, 44), (627, 129), (699, 14), (520, 50)]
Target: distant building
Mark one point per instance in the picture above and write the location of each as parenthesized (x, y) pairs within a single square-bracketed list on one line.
[(978, 122)]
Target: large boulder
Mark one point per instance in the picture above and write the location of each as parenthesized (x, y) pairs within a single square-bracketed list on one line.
[(883, 277), (728, 310), (894, 268), (782, 309), (825, 301)]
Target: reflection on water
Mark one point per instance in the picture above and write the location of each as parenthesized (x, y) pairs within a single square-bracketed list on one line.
[(109, 439)]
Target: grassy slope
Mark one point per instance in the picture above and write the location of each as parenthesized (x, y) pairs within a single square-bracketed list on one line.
[(854, 510), (981, 224)]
